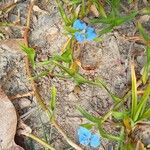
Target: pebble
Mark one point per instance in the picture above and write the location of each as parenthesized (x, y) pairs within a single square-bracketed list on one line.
[(24, 103), (140, 60)]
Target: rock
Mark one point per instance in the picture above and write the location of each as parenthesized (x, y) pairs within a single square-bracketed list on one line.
[(90, 56), (72, 97), (24, 103), (47, 34), (142, 133), (13, 76), (141, 60), (44, 117), (8, 123)]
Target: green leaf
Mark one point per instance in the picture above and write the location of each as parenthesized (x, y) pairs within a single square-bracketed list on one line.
[(53, 98), (115, 6), (146, 114), (141, 106), (70, 29), (99, 7), (146, 11), (62, 12), (145, 73), (120, 115), (120, 144), (134, 92), (116, 21), (109, 136), (73, 2), (146, 68), (101, 84), (83, 12), (76, 76), (143, 33), (105, 30), (88, 115), (87, 125), (30, 53)]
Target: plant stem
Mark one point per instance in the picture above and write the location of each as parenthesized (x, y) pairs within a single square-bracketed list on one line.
[(40, 141), (83, 8), (55, 124)]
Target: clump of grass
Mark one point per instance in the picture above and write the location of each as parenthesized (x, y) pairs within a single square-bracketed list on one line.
[(127, 119), (112, 19)]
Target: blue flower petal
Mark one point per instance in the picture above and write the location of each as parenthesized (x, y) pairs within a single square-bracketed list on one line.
[(79, 25), (95, 141), (84, 136), (80, 37), (90, 29), (90, 34)]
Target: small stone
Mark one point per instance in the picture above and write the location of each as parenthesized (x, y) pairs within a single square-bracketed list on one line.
[(72, 97), (44, 117), (24, 103), (140, 60)]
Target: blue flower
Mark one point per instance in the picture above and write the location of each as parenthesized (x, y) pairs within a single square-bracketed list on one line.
[(87, 138), (84, 136), (80, 37), (91, 34), (85, 33), (79, 25), (95, 141)]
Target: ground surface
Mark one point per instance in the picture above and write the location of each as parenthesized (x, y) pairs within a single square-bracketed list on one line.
[(110, 60)]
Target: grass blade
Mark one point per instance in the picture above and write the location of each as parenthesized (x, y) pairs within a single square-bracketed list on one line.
[(134, 92), (146, 114), (142, 103), (88, 116), (109, 136), (62, 13), (143, 33), (53, 98), (146, 68), (100, 8), (30, 53)]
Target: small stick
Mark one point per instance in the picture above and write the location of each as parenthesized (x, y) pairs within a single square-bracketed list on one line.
[(42, 142), (21, 95), (54, 123)]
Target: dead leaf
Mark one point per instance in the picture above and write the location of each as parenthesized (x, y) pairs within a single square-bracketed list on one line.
[(94, 10)]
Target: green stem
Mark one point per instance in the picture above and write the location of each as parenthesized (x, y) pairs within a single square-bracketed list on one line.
[(42, 142), (83, 8), (70, 142)]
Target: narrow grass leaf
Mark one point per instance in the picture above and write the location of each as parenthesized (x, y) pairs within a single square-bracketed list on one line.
[(87, 125), (53, 98), (30, 53), (143, 33), (62, 12), (100, 8), (76, 76), (134, 92), (101, 84), (120, 144), (146, 69), (120, 115), (83, 8), (146, 114), (88, 116), (141, 106), (109, 136)]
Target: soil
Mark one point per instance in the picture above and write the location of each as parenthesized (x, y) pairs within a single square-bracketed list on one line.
[(109, 60)]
